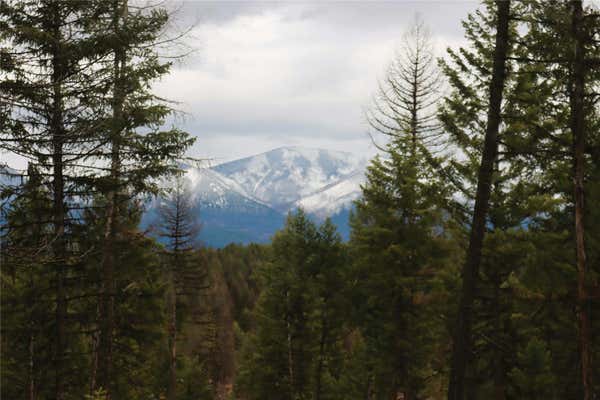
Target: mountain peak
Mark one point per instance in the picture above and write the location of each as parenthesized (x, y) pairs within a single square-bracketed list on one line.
[(298, 151), (246, 200), (283, 176), (307, 150)]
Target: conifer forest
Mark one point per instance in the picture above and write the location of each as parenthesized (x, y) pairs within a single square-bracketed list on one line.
[(472, 266)]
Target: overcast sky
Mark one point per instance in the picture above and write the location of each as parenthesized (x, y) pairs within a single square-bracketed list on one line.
[(271, 74), (263, 75)]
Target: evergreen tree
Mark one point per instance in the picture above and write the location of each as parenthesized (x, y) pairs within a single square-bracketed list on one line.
[(138, 149), (179, 228), (76, 79), (26, 299), (400, 239), (523, 281), (139, 318), (462, 337), (578, 129), (560, 141), (400, 249), (47, 65), (293, 352), (329, 315), (407, 97), (277, 355)]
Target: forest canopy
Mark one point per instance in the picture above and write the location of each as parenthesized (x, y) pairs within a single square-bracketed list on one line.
[(473, 265)]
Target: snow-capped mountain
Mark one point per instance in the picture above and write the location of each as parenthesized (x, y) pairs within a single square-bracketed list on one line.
[(284, 176), (333, 198), (210, 189), (247, 200), (10, 177), (226, 213)]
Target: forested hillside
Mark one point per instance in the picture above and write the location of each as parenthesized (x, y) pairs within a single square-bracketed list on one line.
[(472, 270)]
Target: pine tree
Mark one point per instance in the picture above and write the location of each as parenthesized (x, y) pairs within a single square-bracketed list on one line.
[(26, 297), (77, 85), (399, 248), (463, 331), (138, 149), (329, 315), (524, 277), (179, 228), (280, 346), (47, 66), (562, 55), (407, 97), (295, 351), (399, 236), (578, 130), (139, 319)]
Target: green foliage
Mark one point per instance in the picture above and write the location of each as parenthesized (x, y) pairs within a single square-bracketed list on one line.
[(295, 350), (71, 105), (532, 375), (99, 394), (401, 254), (140, 289), (26, 298), (307, 317), (528, 269)]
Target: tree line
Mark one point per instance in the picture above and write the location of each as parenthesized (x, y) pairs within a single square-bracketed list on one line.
[(473, 266), (77, 104)]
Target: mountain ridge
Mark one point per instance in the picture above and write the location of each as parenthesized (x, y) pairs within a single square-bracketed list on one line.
[(283, 176), (249, 198)]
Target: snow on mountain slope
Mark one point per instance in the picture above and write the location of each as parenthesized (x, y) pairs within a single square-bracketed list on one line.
[(333, 198), (283, 176), (247, 200), (209, 189), (10, 177), (226, 213)]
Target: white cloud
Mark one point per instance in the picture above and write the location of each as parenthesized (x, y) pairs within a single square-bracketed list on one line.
[(292, 73), (269, 74)]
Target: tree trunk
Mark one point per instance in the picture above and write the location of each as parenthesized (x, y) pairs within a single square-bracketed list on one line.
[(290, 354), (95, 341), (321, 360), (499, 327), (57, 133), (172, 304), (59, 255), (414, 118), (369, 395), (290, 362), (177, 235), (31, 364), (32, 326), (112, 211), (462, 338), (578, 130)]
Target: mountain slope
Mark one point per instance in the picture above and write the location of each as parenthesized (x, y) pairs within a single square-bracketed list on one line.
[(247, 200), (227, 213), (283, 176), (333, 198), (213, 190)]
